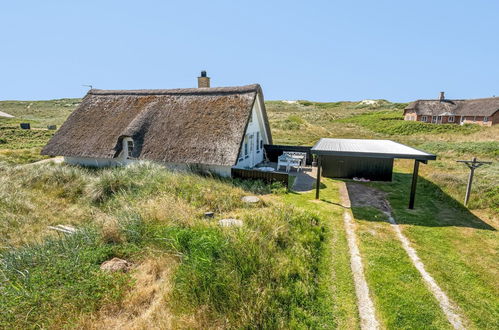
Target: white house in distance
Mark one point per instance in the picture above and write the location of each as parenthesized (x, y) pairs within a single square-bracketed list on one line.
[(209, 129)]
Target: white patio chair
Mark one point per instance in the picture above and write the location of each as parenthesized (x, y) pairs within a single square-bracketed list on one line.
[(301, 156), (283, 160)]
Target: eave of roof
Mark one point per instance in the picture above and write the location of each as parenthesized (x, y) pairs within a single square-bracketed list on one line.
[(368, 148)]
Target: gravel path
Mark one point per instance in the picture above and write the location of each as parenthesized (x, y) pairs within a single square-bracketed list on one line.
[(367, 312)]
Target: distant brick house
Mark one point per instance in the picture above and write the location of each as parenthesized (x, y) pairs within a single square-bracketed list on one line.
[(443, 111)]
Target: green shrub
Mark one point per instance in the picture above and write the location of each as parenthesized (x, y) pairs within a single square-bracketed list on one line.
[(292, 122)]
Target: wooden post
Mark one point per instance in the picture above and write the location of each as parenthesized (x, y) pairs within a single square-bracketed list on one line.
[(318, 183), (472, 164), (468, 187), (414, 184)]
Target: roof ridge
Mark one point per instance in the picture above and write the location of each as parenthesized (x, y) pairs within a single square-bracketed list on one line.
[(178, 91), (476, 99)]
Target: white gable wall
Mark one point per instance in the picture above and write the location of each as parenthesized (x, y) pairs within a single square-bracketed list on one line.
[(255, 137)]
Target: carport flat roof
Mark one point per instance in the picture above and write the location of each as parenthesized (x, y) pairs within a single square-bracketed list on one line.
[(368, 148)]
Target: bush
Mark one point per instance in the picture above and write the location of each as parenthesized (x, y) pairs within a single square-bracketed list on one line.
[(292, 122)]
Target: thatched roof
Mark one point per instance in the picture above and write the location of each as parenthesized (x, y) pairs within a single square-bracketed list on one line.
[(195, 125), (5, 115), (474, 107)]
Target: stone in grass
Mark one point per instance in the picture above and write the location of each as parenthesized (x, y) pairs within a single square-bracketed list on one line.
[(250, 199), (116, 265), (230, 223)]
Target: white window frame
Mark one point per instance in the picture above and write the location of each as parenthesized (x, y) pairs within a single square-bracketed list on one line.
[(424, 118), (450, 119), (126, 147), (485, 119), (246, 147)]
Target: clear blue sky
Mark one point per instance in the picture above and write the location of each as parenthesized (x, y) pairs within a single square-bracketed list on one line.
[(317, 50)]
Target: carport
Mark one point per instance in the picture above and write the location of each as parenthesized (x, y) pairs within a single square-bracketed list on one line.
[(346, 158)]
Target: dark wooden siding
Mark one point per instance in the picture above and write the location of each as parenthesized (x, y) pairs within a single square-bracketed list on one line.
[(273, 151), (267, 177), (375, 169)]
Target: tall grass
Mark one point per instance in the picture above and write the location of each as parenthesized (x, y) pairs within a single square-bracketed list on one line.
[(44, 285), (261, 275)]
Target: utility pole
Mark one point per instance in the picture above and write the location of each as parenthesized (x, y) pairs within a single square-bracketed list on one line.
[(473, 165)]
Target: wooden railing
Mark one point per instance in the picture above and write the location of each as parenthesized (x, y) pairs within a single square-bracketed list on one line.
[(268, 177)]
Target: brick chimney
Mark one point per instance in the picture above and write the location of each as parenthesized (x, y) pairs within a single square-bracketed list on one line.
[(442, 96), (203, 80)]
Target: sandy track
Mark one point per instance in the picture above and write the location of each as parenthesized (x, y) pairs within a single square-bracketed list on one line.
[(367, 312)]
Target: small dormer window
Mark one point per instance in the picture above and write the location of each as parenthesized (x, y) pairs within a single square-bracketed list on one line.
[(129, 147)]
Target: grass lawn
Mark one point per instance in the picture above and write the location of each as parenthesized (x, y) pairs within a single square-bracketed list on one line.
[(460, 250), (343, 306), (399, 293)]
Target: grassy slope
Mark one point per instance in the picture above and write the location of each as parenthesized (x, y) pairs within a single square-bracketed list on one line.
[(459, 247), (273, 273), (23, 146)]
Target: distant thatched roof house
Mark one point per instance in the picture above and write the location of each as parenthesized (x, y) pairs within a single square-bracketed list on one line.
[(213, 128), (480, 111), (5, 115)]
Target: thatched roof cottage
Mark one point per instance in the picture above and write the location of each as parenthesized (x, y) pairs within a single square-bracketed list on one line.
[(444, 111), (211, 129)]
